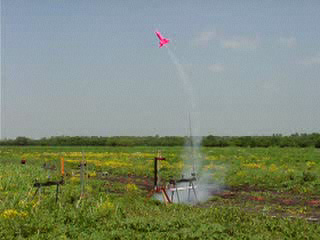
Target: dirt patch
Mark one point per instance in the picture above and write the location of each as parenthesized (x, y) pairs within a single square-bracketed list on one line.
[(269, 202), (142, 182), (314, 203)]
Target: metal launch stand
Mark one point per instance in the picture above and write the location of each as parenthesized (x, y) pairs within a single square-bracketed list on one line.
[(157, 187), (40, 185), (173, 188), (173, 185)]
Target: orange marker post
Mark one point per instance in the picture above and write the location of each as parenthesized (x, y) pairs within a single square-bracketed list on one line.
[(62, 166)]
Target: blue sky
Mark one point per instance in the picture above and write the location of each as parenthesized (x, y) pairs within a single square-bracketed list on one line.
[(94, 67)]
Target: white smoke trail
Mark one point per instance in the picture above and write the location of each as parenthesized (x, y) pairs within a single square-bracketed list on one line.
[(187, 86), (192, 148), (193, 158)]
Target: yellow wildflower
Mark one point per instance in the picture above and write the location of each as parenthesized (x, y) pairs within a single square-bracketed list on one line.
[(213, 166), (22, 203), (273, 168), (310, 164), (290, 170), (165, 164), (74, 179), (211, 158), (241, 174), (89, 188), (35, 203), (178, 165), (116, 164), (107, 205), (72, 160), (12, 213), (131, 187), (252, 165)]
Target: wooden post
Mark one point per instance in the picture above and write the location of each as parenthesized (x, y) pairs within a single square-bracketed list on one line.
[(155, 172), (82, 176), (62, 165)]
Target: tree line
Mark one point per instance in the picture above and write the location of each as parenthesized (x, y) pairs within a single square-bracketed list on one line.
[(294, 140)]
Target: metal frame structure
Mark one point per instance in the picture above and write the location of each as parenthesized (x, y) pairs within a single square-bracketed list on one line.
[(173, 188), (39, 187)]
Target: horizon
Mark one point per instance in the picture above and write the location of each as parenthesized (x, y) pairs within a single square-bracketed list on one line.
[(157, 135)]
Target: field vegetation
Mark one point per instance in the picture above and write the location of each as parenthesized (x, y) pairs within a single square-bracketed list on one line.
[(266, 193)]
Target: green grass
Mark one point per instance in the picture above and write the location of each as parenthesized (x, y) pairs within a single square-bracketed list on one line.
[(113, 210)]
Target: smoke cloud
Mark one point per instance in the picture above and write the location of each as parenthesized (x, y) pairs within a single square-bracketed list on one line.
[(203, 187)]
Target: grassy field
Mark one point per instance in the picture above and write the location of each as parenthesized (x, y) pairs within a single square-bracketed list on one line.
[(266, 193)]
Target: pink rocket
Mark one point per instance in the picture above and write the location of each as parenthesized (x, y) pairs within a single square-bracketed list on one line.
[(163, 40)]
